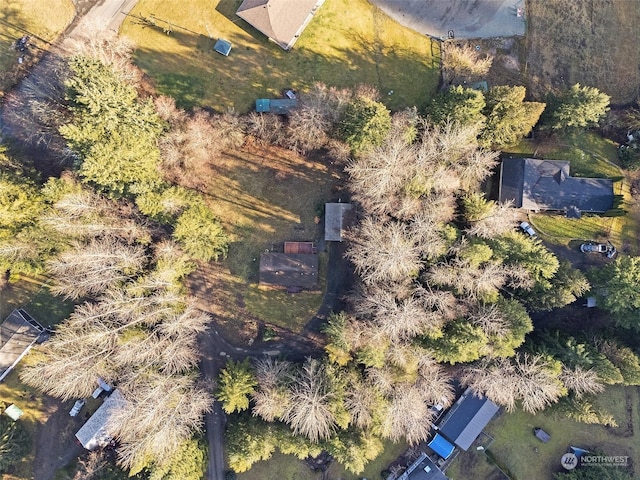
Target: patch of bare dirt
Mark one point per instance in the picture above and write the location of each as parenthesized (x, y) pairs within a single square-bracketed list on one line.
[(55, 440)]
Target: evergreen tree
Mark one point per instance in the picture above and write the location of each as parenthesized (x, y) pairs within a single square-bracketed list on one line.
[(236, 383), (617, 288), (458, 104), (509, 117), (578, 107), (113, 132), (364, 124)]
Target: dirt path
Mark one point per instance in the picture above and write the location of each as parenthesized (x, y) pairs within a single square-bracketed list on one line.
[(55, 443)]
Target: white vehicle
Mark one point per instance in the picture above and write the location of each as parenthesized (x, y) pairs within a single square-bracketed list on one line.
[(526, 228), (77, 407)]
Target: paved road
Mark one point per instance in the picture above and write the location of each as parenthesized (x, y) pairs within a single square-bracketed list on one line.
[(465, 18)]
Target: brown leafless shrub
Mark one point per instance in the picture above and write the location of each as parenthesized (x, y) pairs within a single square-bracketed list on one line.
[(230, 128), (272, 398), (463, 61), (266, 129), (500, 219)]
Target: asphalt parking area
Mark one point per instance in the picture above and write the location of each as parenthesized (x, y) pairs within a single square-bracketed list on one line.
[(463, 19)]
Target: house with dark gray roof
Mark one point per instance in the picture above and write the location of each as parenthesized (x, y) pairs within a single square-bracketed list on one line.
[(283, 21), (291, 270), (423, 469), (466, 419), (540, 185), (18, 333)]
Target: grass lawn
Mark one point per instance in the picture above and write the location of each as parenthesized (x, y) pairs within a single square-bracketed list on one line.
[(590, 156), (34, 296), (526, 457), (42, 20), (288, 467), (264, 196), (349, 42), (281, 467)]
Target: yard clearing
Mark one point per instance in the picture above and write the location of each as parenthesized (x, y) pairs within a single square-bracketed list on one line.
[(349, 42), (42, 20), (516, 447), (264, 197), (590, 156), (592, 42)]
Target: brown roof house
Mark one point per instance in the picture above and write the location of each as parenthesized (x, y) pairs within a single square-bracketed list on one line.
[(283, 21)]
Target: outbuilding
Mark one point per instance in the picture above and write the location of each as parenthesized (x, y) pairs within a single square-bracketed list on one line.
[(95, 432), (18, 333)]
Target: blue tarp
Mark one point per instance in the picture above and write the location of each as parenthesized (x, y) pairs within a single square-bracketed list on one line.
[(441, 446)]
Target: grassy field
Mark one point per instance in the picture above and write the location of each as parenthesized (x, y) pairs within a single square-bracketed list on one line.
[(587, 42), (43, 21), (349, 42), (288, 467), (526, 457), (590, 156), (264, 196)]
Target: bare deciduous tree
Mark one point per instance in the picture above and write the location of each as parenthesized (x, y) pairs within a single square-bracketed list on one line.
[(272, 398), (581, 381), (498, 220), (384, 252), (309, 412), (95, 267), (528, 379)]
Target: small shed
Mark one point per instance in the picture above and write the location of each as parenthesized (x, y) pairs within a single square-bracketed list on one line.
[(94, 432), (337, 217), (279, 106), (223, 47), (542, 435), (299, 247), (13, 412), (18, 333), (289, 270)]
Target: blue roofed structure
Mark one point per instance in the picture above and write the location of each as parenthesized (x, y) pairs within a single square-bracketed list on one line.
[(466, 419), (223, 47), (441, 446), (279, 106)]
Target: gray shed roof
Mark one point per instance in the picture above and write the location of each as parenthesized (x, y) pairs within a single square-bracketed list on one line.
[(466, 419), (289, 270), (536, 184), (18, 333), (283, 21), (336, 218), (94, 432)]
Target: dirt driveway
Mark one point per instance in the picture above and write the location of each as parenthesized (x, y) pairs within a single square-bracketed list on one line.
[(465, 18)]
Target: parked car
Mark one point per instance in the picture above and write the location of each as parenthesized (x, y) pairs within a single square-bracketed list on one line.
[(77, 407), (526, 228), (603, 248)]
